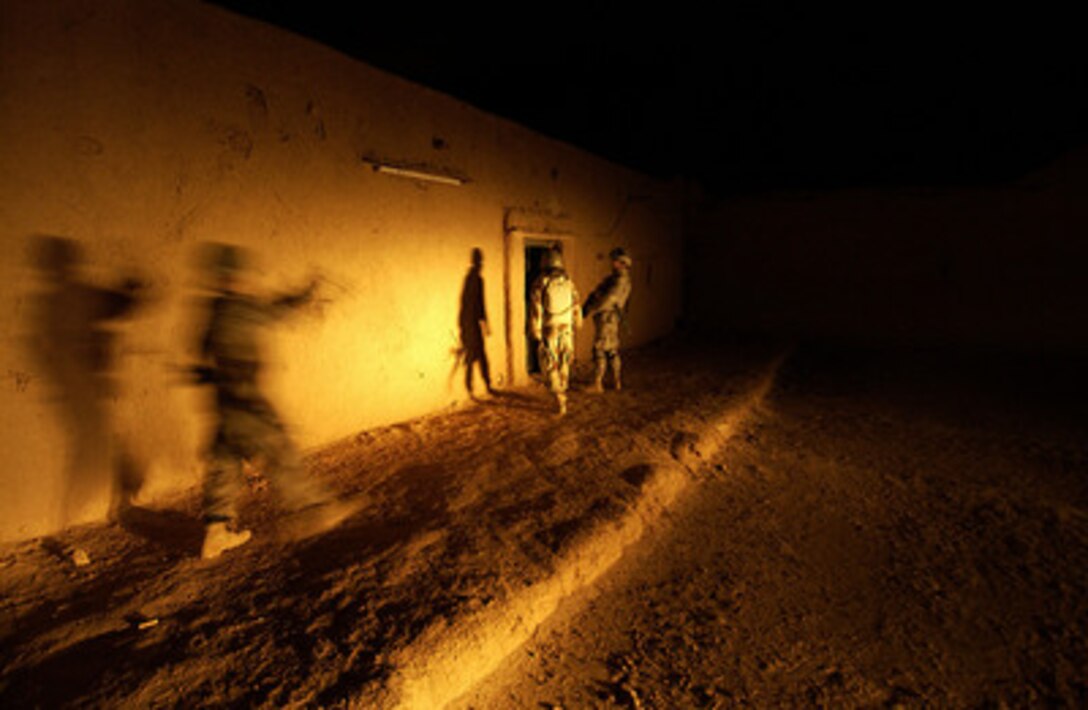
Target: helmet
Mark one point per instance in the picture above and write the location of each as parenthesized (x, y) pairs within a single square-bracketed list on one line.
[(224, 258), (553, 259), (58, 255), (620, 254)]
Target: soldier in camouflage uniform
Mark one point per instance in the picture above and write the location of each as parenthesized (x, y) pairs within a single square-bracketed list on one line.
[(76, 325), (247, 426), (607, 306), (554, 314)]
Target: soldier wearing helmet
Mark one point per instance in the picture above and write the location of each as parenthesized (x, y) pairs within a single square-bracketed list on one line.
[(247, 425), (607, 306), (77, 323), (554, 314)]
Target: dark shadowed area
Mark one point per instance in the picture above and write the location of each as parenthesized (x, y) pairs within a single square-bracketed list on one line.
[(746, 96)]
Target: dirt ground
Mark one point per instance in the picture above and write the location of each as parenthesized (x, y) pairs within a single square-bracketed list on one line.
[(459, 511), (886, 530)]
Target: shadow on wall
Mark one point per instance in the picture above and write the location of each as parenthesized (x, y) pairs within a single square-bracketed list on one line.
[(72, 341), (473, 325)]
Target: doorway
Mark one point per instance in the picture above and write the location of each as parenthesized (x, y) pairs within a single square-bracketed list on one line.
[(524, 252)]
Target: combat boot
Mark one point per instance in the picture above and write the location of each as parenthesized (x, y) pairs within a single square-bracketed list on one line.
[(596, 387), (562, 398), (218, 539)]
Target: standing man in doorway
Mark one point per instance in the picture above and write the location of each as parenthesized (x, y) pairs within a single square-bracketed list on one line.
[(607, 306), (554, 314)]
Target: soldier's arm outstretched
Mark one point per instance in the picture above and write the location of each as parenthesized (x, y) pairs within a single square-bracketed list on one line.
[(288, 302)]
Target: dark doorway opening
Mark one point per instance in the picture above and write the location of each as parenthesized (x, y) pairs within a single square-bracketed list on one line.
[(534, 258)]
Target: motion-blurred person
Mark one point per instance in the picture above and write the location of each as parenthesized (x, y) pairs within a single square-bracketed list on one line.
[(472, 321), (73, 342), (247, 426), (554, 314), (607, 306)]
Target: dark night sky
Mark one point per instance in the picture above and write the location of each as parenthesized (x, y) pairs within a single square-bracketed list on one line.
[(752, 95)]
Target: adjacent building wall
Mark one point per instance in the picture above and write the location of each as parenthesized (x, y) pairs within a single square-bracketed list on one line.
[(141, 130), (996, 267)]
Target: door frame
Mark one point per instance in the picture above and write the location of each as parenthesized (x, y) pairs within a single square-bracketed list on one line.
[(514, 244)]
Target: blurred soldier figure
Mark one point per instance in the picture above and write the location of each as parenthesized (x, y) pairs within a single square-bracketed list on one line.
[(472, 320), (607, 306), (73, 342), (247, 426), (554, 314)]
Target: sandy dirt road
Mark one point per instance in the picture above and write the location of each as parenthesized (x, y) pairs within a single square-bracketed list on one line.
[(887, 532), (459, 513)]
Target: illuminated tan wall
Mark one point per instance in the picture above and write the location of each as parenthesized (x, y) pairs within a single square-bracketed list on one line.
[(996, 267), (143, 129)]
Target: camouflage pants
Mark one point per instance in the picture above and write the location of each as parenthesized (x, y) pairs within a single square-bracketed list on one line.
[(250, 431), (556, 352), (607, 335), (602, 359), (606, 348)]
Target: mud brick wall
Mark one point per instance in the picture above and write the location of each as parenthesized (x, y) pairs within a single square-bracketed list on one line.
[(140, 130)]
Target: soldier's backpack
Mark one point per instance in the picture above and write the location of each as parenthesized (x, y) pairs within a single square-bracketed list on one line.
[(558, 297)]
